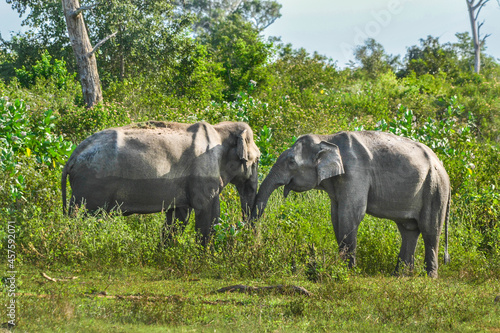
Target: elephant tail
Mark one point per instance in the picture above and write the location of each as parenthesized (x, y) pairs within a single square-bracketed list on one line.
[(63, 187), (447, 219)]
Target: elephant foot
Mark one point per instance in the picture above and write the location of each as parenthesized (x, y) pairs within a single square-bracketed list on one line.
[(432, 274), (403, 269)]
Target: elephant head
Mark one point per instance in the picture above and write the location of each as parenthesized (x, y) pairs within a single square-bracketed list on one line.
[(300, 168), (240, 166)]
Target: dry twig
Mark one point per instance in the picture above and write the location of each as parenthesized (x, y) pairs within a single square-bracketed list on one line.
[(58, 280)]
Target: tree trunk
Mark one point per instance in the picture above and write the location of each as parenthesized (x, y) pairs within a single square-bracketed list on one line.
[(85, 58), (475, 37)]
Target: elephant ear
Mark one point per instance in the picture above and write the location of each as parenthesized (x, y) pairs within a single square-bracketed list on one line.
[(328, 161), (241, 146)]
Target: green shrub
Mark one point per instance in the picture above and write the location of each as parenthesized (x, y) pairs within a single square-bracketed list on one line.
[(23, 140), (19, 135), (47, 70), (80, 122)]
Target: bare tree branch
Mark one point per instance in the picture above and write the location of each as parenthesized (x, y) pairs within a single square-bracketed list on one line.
[(102, 41), (481, 7), (272, 21), (483, 40), (81, 9)]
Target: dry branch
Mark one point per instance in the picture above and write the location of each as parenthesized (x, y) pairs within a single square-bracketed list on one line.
[(249, 289), (81, 9), (102, 41), (58, 280)]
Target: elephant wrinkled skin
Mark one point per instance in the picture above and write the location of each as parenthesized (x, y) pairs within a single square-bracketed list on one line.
[(377, 173), (160, 166)]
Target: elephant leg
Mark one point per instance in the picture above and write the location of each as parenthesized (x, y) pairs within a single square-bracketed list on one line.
[(430, 225), (175, 220), (346, 219), (409, 237), (205, 219), (431, 243)]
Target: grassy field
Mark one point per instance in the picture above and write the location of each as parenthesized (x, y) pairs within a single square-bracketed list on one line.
[(125, 284), (147, 300)]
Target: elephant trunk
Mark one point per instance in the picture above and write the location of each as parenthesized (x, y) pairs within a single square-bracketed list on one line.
[(247, 199), (247, 192), (273, 180)]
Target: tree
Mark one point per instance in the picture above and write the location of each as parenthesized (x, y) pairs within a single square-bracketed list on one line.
[(237, 45), (431, 57), (474, 7), (296, 71), (373, 58), (208, 13), (84, 53), (260, 13), (149, 35)]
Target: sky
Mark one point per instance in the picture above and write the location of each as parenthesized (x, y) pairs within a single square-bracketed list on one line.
[(334, 28)]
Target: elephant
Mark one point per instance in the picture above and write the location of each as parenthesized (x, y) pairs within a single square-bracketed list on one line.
[(369, 172), (166, 167)]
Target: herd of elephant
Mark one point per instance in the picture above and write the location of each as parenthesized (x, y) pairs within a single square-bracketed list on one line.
[(178, 168)]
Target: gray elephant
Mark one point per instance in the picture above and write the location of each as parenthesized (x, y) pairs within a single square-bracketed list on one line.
[(378, 173), (160, 166)]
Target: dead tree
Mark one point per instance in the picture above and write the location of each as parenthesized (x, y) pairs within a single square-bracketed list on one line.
[(474, 7), (84, 52)]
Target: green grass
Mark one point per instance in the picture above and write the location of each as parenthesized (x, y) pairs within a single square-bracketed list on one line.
[(154, 302), (174, 289)]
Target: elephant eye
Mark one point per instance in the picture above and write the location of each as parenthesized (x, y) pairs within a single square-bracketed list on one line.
[(291, 162)]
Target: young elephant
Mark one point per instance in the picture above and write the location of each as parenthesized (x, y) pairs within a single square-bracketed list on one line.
[(378, 173), (158, 166)]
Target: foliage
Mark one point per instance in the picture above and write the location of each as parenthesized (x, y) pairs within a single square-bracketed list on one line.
[(440, 136), (263, 141), (19, 136), (21, 139), (208, 13), (79, 122), (373, 59), (431, 57), (241, 51), (455, 59), (148, 35), (44, 69), (194, 80)]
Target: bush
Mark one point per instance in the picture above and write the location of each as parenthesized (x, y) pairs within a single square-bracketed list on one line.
[(23, 139), (47, 70), (80, 122)]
